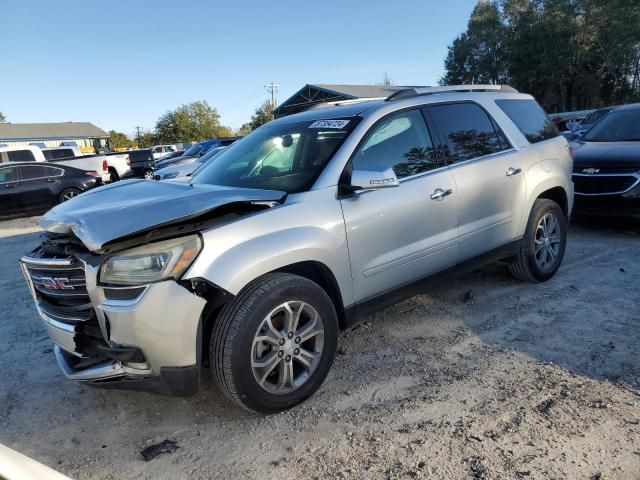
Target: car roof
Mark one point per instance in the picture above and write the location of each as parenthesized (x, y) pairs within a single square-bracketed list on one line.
[(24, 147), (631, 106), (368, 107)]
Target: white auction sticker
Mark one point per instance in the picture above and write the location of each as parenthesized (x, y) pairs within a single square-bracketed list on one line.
[(329, 124)]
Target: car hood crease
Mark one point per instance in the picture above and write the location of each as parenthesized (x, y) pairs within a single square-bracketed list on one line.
[(133, 207)]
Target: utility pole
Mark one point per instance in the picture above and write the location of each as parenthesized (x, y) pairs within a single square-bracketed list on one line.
[(138, 137), (273, 88)]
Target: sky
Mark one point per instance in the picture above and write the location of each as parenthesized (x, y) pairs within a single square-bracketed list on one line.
[(123, 63)]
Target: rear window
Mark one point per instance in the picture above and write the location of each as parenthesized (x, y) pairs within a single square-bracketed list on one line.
[(21, 156), (58, 154), (530, 119), (139, 156)]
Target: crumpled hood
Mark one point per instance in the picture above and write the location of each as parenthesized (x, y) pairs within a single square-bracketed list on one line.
[(125, 208)]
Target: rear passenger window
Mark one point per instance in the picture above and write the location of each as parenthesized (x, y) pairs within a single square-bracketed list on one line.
[(401, 142), (467, 130), (530, 119), (21, 156), (33, 172)]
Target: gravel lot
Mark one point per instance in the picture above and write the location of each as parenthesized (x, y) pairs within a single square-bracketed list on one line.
[(482, 378)]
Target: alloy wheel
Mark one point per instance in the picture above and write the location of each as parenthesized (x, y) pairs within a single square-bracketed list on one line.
[(148, 175), (547, 241), (287, 347), (69, 196)]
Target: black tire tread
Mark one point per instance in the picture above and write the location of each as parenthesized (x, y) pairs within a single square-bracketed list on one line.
[(227, 328), (520, 268)]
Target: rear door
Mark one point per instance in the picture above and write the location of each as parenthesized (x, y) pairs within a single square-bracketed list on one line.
[(401, 234), (487, 172), (39, 185), (10, 203)]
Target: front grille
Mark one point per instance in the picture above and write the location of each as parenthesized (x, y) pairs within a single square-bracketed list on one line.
[(61, 290), (603, 184), (606, 170)]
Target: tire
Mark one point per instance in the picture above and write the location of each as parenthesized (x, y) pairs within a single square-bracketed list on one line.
[(114, 177), (538, 243), (148, 174), (68, 194), (235, 345)]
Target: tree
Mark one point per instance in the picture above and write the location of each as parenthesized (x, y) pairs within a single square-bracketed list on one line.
[(386, 80), (3, 119), (263, 114), (119, 140), (570, 54), (190, 122)]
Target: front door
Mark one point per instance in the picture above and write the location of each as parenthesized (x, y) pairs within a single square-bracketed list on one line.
[(397, 235), (488, 176)]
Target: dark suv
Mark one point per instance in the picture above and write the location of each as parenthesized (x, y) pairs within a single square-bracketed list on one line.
[(142, 164)]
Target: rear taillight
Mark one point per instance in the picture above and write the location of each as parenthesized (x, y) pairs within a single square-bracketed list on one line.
[(93, 174), (128, 160)]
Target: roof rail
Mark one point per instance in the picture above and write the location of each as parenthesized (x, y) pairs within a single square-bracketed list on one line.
[(418, 92), (337, 103)]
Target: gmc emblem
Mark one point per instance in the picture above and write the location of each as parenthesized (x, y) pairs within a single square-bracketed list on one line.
[(58, 283)]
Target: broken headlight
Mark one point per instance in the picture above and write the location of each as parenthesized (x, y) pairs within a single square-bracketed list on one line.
[(151, 263)]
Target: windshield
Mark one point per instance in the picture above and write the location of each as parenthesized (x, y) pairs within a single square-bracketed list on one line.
[(593, 117), (280, 156), (192, 151), (210, 154), (618, 126)]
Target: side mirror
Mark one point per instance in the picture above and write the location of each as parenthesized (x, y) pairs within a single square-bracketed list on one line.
[(366, 179)]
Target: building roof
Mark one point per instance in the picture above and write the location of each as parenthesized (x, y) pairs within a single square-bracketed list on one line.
[(312, 94), (49, 131)]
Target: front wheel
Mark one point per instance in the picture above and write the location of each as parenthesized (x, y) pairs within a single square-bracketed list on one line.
[(148, 174), (272, 347), (543, 245)]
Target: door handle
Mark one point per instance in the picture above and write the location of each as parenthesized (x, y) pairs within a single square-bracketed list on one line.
[(10, 185), (439, 194), (513, 171)]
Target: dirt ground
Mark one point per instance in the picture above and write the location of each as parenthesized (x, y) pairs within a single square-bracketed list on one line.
[(482, 378)]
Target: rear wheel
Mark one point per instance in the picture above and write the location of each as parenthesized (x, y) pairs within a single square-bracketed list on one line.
[(543, 244), (273, 346), (68, 194), (114, 177)]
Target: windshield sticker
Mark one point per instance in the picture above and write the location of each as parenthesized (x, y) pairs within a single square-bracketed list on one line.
[(329, 124)]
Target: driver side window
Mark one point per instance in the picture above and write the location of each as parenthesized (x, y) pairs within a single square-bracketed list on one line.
[(401, 142)]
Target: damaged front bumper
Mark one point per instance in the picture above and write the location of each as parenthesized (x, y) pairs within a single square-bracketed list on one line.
[(141, 337)]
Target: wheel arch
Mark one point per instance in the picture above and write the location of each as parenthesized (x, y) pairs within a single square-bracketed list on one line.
[(558, 195)]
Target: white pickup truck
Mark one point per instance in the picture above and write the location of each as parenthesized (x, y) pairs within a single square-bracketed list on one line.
[(117, 163), (110, 167)]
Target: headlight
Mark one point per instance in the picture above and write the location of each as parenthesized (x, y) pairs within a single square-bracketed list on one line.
[(170, 175), (151, 263)]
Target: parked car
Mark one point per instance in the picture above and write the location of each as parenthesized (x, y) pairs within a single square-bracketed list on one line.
[(169, 156), (141, 164), (162, 150), (90, 163), (117, 162), (34, 187), (197, 151), (304, 227), (589, 122), (186, 169), (606, 170)]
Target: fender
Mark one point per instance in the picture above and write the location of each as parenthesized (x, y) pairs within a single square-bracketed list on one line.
[(237, 253)]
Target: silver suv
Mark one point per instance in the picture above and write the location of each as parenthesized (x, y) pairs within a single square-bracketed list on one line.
[(297, 231)]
